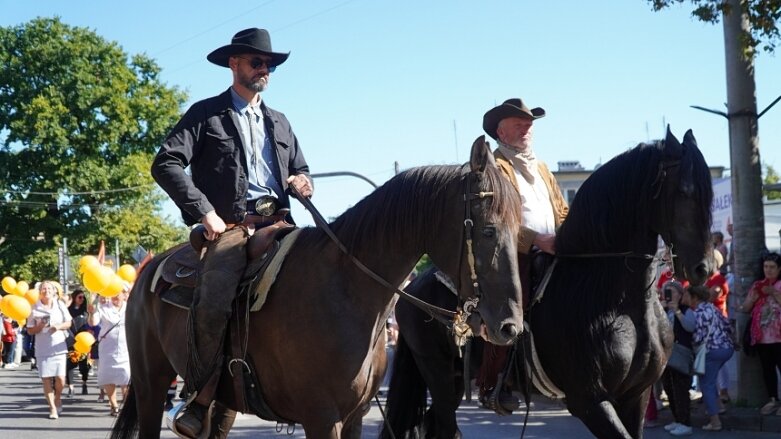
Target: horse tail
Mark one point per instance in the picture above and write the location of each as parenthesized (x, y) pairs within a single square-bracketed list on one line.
[(126, 425), (406, 403)]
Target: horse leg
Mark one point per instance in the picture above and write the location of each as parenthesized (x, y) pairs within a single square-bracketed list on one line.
[(322, 429), (222, 421), (599, 415), (152, 375), (632, 412), (443, 387), (353, 428)]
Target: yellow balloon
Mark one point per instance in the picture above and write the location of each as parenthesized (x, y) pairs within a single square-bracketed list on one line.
[(115, 286), (32, 296), (81, 347), (127, 272), (21, 288), (9, 284), (87, 262), (97, 278), (85, 337), (15, 307)]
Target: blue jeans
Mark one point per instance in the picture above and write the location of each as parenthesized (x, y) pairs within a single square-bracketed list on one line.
[(8, 351), (714, 360)]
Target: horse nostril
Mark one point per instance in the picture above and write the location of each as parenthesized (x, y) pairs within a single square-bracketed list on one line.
[(509, 330), (701, 270)]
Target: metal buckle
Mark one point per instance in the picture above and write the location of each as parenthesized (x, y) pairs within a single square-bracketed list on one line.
[(266, 206)]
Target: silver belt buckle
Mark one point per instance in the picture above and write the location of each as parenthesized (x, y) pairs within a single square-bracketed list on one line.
[(266, 206)]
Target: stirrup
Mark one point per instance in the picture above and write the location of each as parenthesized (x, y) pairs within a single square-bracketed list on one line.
[(175, 413)]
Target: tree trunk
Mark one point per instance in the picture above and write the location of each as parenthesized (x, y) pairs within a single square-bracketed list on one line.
[(747, 209)]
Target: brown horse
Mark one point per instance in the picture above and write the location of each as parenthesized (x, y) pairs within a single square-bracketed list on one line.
[(318, 344)]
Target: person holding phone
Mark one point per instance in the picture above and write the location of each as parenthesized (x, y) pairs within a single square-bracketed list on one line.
[(50, 323)]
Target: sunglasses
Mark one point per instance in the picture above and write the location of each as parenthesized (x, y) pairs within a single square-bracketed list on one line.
[(257, 63)]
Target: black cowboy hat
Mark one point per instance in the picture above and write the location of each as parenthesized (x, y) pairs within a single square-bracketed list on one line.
[(251, 40), (510, 108)]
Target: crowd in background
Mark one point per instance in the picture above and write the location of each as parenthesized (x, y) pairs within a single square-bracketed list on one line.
[(46, 341), (704, 317)]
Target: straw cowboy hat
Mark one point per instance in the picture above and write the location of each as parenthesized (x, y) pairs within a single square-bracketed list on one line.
[(510, 108), (252, 40)]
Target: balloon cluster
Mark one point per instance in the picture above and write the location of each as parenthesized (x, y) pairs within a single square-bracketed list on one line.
[(102, 280), (84, 341), (17, 304)]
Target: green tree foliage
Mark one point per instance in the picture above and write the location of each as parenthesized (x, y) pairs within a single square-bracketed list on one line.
[(772, 177), (764, 16), (79, 124)]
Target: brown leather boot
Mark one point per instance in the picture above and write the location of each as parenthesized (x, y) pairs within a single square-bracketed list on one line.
[(191, 422)]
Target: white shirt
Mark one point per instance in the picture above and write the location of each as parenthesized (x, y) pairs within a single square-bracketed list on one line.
[(537, 209), (46, 343)]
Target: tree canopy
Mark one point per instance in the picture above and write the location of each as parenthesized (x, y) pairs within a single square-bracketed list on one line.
[(763, 15), (80, 121)]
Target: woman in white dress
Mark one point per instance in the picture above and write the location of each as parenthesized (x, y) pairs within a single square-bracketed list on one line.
[(49, 322), (114, 361)]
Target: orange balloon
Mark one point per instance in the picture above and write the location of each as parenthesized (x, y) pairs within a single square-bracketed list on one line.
[(32, 296), (21, 288), (85, 337), (87, 262), (81, 347), (115, 286), (15, 307), (9, 284), (97, 278), (127, 272)]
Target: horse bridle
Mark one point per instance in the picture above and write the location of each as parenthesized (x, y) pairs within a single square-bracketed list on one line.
[(453, 320), (461, 329)]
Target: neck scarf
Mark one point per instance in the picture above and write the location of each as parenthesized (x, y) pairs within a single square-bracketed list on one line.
[(523, 161)]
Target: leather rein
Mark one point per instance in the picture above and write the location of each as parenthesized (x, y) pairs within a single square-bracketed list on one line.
[(453, 320)]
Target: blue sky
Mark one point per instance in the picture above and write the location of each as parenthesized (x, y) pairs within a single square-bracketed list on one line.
[(373, 82)]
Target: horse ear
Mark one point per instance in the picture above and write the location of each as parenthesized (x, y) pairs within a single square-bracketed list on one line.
[(689, 140), (672, 147), (481, 155)]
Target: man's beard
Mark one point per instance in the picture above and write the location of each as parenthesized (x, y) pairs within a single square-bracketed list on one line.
[(257, 86), (523, 145)]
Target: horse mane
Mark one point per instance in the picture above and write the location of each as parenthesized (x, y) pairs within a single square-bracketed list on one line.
[(403, 204), (616, 200), (611, 213)]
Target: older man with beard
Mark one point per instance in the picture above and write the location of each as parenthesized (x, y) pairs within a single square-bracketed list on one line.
[(543, 211), (243, 156)]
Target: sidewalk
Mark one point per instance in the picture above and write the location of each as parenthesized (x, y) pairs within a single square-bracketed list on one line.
[(736, 418)]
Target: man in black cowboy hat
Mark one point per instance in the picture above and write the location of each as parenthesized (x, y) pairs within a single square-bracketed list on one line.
[(243, 156), (543, 210)]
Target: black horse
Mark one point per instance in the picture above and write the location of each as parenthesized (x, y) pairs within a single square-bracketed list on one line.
[(599, 329)]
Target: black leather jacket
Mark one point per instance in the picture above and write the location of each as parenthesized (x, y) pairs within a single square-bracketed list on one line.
[(207, 139)]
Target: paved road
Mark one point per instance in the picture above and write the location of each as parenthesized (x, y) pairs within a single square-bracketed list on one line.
[(23, 415)]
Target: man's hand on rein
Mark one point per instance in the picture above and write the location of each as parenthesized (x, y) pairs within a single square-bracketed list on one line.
[(301, 183)]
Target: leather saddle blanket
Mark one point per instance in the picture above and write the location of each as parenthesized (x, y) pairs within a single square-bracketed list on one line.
[(175, 278)]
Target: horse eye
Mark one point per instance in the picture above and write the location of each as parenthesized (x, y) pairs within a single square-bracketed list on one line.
[(489, 231)]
